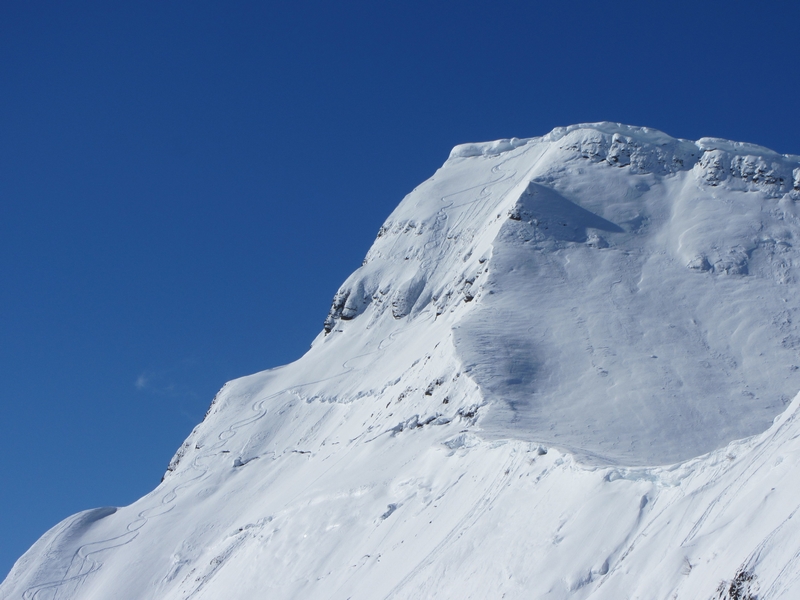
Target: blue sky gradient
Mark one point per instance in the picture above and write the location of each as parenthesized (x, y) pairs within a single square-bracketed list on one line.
[(183, 186)]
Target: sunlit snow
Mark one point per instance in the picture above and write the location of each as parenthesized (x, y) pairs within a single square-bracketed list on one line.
[(565, 369)]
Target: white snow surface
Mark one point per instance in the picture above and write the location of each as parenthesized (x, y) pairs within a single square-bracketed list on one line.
[(564, 370)]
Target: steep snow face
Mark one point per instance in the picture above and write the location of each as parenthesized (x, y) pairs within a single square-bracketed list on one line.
[(538, 329), (632, 292)]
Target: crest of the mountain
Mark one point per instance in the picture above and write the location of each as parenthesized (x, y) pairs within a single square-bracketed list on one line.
[(631, 293)]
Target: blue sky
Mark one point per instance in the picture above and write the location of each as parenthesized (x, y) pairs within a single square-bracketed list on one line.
[(183, 186)]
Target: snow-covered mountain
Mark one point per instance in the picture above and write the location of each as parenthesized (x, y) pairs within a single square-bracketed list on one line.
[(565, 369)]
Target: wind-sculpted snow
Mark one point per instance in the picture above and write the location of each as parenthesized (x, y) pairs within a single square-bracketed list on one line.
[(641, 322), (536, 385), (636, 302)]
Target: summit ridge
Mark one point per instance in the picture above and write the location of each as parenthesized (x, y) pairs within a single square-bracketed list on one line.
[(600, 224)]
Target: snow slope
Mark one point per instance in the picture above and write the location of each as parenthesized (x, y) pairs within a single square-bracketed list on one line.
[(565, 369)]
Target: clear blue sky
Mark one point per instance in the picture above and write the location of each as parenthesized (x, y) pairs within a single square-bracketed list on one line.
[(184, 185)]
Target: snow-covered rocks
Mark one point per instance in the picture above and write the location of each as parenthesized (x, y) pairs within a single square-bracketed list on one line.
[(618, 274), (537, 384)]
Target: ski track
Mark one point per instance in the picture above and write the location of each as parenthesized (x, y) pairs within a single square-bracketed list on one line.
[(82, 564), (351, 444), (477, 510), (754, 464), (442, 216), (716, 505)]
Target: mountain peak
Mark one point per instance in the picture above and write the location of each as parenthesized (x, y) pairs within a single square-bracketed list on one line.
[(580, 349), (532, 248)]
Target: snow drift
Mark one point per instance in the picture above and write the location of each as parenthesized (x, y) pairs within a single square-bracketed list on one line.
[(565, 369)]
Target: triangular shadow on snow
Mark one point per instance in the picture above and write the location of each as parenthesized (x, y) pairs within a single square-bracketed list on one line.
[(558, 218)]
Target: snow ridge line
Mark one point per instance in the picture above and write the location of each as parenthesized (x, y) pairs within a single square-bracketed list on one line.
[(82, 564), (347, 368), (77, 571)]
